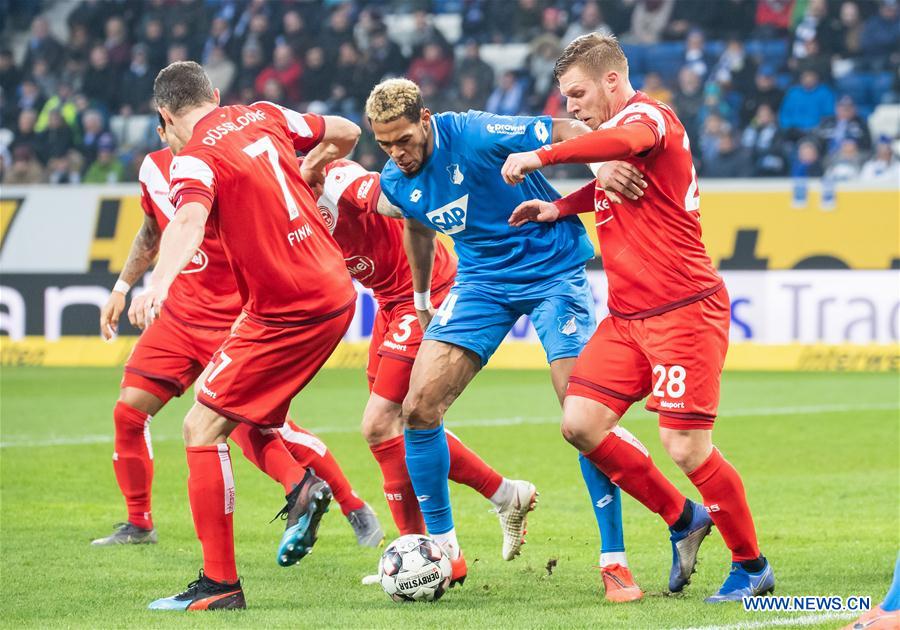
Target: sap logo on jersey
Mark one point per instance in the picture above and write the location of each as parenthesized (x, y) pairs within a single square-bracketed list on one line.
[(360, 267), (450, 218), (199, 261)]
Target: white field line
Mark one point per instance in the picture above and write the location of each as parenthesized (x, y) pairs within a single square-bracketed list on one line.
[(806, 620), (796, 410)]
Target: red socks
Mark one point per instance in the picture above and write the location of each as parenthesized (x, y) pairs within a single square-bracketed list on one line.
[(267, 451), (627, 463), (211, 492), (725, 500), (466, 468), (133, 462), (398, 490), (311, 452), (469, 469)]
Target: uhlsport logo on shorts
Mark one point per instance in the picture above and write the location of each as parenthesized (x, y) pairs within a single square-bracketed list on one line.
[(450, 218)]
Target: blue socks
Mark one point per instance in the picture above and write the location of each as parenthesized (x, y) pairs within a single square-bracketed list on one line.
[(892, 599), (607, 501), (428, 462)]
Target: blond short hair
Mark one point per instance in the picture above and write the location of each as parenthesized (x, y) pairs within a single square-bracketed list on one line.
[(594, 53), (394, 98)]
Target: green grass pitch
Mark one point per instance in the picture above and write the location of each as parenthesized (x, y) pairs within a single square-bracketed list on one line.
[(818, 454)]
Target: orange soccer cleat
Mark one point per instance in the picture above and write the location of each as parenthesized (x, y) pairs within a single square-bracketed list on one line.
[(877, 619), (460, 570), (619, 584)]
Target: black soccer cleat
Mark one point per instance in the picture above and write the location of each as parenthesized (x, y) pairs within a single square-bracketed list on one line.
[(204, 594), (306, 505)]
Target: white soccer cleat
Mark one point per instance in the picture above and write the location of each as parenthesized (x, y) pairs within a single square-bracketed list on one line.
[(513, 517)]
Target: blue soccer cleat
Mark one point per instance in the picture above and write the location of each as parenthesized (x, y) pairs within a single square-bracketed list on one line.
[(685, 545), (741, 583), (306, 505)]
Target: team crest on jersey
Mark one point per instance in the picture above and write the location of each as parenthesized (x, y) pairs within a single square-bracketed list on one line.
[(450, 218), (567, 325), (199, 261), (360, 267), (456, 175), (328, 217)]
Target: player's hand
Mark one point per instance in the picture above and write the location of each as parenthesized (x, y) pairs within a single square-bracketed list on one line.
[(534, 210), (146, 307), (622, 178), (110, 313), (425, 317), (315, 178), (518, 165)]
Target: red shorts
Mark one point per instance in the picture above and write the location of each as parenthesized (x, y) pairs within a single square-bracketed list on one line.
[(170, 355), (260, 368), (676, 358), (396, 337)]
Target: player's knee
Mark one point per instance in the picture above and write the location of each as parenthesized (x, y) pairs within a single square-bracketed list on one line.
[(420, 413), (138, 399), (203, 427), (381, 424), (577, 432), (687, 448)]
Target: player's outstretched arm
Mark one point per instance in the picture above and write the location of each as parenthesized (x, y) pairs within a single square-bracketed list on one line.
[(338, 140), (180, 241), (143, 251), (538, 211), (418, 242)]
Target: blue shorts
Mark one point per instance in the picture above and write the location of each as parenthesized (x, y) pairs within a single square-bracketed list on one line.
[(478, 316)]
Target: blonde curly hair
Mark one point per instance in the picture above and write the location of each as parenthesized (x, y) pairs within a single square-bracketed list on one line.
[(394, 98)]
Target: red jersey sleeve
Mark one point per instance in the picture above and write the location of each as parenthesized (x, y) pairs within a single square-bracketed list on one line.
[(304, 130), (642, 113), (191, 179), (349, 184)]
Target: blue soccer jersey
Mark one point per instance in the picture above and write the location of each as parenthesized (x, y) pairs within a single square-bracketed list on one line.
[(459, 191)]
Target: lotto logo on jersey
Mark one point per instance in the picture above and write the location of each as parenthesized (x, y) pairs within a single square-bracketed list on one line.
[(360, 267), (450, 218)]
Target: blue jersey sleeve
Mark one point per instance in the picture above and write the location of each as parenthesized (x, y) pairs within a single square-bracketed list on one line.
[(503, 135)]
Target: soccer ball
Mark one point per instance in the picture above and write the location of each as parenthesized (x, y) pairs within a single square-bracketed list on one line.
[(413, 568)]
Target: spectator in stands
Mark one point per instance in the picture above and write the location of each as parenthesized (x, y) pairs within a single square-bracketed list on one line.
[(42, 45), (106, 169), (815, 60), (315, 84), (57, 139), (137, 82), (25, 167), (467, 96), (773, 18), (735, 68), (220, 69), (177, 51), (763, 140), (553, 21), (384, 56), (508, 97), (434, 64), (688, 101), (101, 81), (732, 160), (727, 18), (881, 36), (30, 96), (695, 54), (78, 45), (849, 44), (846, 163), (525, 22), (251, 66), (764, 92), (648, 21), (260, 35), (92, 129), (654, 88), (884, 165), (154, 39), (25, 133), (540, 63), (816, 24), (368, 21), (806, 162), (590, 21), (65, 169), (43, 77), (805, 105), (116, 43), (220, 36), (10, 75), (425, 32), (846, 124), (472, 65), (286, 71), (715, 103), (353, 79), (708, 146)]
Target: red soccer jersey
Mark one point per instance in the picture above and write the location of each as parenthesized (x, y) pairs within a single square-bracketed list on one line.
[(373, 243), (205, 294), (241, 164), (651, 248)]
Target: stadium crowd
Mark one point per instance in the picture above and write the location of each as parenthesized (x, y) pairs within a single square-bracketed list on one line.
[(765, 88)]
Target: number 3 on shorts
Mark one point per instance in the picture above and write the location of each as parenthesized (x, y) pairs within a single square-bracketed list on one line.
[(672, 379)]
